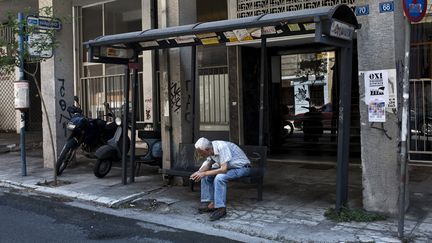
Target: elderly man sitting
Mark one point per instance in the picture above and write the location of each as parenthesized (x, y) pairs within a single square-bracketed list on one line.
[(225, 161)]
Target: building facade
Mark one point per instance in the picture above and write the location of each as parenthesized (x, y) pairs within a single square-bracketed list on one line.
[(303, 84)]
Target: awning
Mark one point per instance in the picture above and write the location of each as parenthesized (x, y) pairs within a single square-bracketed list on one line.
[(330, 25)]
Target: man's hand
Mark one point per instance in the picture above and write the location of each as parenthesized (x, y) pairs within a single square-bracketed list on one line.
[(197, 176)]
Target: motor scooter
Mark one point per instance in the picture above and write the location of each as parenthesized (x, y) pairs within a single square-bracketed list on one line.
[(85, 132), (112, 151)]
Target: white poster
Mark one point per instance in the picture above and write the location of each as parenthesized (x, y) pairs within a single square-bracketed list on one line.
[(376, 86), (22, 100), (392, 89), (301, 93), (376, 110)]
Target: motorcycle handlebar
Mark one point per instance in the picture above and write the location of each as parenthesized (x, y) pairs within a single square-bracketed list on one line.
[(74, 110)]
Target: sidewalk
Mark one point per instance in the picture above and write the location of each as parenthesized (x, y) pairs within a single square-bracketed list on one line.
[(295, 199)]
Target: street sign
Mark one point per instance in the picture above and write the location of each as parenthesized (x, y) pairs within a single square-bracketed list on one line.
[(386, 7), (415, 10), (362, 10), (44, 23), (35, 50)]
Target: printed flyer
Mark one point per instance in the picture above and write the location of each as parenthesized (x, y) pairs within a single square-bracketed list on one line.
[(380, 93), (376, 111)]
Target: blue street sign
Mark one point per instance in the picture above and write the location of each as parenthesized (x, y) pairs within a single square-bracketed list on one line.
[(386, 7), (362, 10), (415, 10), (44, 23)]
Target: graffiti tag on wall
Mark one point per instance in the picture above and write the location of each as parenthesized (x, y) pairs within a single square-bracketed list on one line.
[(175, 97), (147, 110), (64, 114)]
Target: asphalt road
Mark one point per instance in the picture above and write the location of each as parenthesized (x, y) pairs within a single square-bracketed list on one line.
[(25, 217)]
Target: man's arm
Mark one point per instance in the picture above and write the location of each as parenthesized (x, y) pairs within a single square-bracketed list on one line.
[(206, 165), (197, 176), (222, 170)]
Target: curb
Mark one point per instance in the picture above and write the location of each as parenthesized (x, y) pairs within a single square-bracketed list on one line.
[(104, 201)]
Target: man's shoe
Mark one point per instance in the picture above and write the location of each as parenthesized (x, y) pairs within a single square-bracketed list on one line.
[(217, 214), (204, 208)]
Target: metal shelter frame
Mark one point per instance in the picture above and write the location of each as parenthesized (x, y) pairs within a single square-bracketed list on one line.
[(331, 26)]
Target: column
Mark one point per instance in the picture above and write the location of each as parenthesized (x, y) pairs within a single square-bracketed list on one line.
[(57, 83), (175, 81), (381, 47)]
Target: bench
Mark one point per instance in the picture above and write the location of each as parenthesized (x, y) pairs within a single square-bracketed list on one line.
[(187, 163)]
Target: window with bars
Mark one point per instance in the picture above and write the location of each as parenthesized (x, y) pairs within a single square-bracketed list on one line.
[(213, 89), (420, 119)]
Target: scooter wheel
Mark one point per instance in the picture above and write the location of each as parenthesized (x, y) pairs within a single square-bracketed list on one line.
[(66, 156), (102, 167)]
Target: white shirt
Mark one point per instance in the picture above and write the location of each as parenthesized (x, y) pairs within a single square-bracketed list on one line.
[(227, 152)]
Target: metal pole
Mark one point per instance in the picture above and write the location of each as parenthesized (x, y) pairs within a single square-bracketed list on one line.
[(262, 85), (404, 133), (21, 78), (344, 126), (193, 83), (133, 122), (125, 124)]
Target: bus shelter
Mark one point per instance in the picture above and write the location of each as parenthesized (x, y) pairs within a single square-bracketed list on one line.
[(330, 27)]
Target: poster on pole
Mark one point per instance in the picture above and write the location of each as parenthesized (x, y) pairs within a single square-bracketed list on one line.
[(377, 94), (376, 86), (376, 110)]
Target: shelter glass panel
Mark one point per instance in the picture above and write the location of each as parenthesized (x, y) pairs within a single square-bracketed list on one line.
[(304, 119)]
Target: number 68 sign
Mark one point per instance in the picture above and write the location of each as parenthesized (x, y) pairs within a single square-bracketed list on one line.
[(386, 7)]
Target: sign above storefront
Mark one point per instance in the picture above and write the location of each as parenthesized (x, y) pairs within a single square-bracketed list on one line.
[(415, 10), (341, 30)]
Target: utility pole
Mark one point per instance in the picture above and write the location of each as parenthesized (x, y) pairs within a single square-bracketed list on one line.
[(25, 96)]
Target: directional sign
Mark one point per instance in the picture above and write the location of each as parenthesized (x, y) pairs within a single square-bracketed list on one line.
[(44, 23), (415, 10)]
